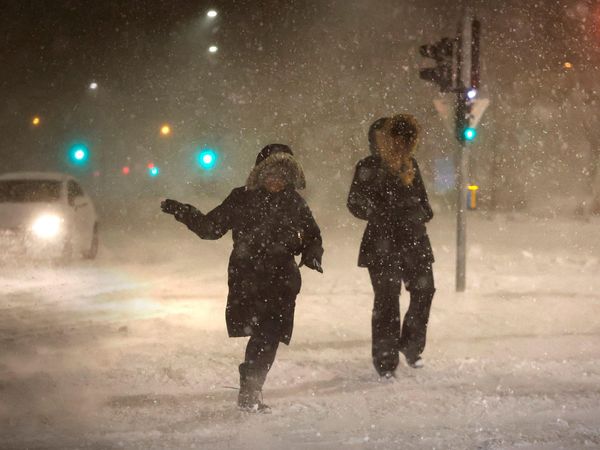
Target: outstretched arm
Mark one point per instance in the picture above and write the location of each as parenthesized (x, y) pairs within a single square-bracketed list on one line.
[(212, 225)]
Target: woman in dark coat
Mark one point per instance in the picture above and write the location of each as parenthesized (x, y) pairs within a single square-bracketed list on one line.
[(271, 223), (388, 192)]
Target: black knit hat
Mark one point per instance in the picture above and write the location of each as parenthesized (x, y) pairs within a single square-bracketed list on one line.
[(271, 149)]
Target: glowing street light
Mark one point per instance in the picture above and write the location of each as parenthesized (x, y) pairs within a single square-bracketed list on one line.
[(213, 49), (568, 65), (93, 86), (212, 14), (165, 130), (35, 121), (207, 159), (472, 93)]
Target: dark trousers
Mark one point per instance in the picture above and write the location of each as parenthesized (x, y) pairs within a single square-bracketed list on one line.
[(261, 351), (389, 338)]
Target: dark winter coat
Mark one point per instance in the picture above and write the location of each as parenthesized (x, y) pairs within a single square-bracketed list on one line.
[(269, 229), (396, 215)]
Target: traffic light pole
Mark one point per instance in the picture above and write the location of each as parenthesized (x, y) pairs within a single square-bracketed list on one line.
[(457, 70), (462, 175)]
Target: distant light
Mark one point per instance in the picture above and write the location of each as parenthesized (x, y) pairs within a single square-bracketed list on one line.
[(154, 171), (150, 165), (212, 13), (213, 49), (568, 65), (472, 93), (125, 170), (79, 154), (207, 159), (472, 187), (165, 130), (36, 121), (93, 85), (470, 133)]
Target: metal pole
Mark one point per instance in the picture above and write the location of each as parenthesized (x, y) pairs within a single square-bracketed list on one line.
[(461, 217)]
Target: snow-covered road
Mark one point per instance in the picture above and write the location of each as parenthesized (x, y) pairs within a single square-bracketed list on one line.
[(130, 351)]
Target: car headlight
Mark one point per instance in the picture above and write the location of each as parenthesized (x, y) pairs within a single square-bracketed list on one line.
[(47, 226)]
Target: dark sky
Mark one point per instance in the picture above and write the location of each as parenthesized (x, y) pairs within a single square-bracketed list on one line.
[(300, 72)]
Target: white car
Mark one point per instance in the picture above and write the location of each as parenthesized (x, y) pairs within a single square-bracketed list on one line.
[(46, 214)]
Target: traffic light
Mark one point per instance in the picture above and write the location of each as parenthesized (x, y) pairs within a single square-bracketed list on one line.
[(79, 154), (465, 120), (153, 170), (443, 74), (469, 133), (207, 159), (468, 107)]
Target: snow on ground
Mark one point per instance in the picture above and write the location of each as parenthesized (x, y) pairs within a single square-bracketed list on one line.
[(130, 351)]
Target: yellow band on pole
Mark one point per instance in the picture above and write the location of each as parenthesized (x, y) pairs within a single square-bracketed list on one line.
[(473, 190)]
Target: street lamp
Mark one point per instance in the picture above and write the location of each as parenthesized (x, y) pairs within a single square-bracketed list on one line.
[(212, 14), (165, 130), (93, 86), (213, 49), (35, 121)]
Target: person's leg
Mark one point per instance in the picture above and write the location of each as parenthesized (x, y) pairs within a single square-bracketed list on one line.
[(261, 351), (260, 355), (385, 320), (419, 282)]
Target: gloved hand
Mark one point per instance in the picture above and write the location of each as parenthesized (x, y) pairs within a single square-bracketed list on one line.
[(312, 260), (313, 264), (181, 211)]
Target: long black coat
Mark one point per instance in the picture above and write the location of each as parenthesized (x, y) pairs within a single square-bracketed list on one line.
[(269, 229), (396, 215)]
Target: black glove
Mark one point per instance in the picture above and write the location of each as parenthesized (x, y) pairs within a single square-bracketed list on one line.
[(181, 211), (313, 264), (311, 258)]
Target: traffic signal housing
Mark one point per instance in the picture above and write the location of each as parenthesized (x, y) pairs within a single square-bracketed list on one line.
[(443, 74)]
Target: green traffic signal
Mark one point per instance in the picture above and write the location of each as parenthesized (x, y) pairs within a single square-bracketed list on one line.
[(79, 154), (470, 133), (207, 159)]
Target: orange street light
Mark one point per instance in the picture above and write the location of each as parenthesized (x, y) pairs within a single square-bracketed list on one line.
[(568, 65), (165, 130), (35, 121)]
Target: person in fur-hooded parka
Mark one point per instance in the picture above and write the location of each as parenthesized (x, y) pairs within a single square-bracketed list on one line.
[(388, 192), (271, 224)]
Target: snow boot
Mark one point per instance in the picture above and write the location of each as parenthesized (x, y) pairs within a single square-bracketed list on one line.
[(250, 396), (416, 362), (386, 375)]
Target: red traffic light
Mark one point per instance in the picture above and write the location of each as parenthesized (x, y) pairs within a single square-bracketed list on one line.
[(125, 170)]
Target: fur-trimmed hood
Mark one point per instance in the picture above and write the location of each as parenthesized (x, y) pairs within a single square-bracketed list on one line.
[(382, 137), (270, 158), (405, 124)]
